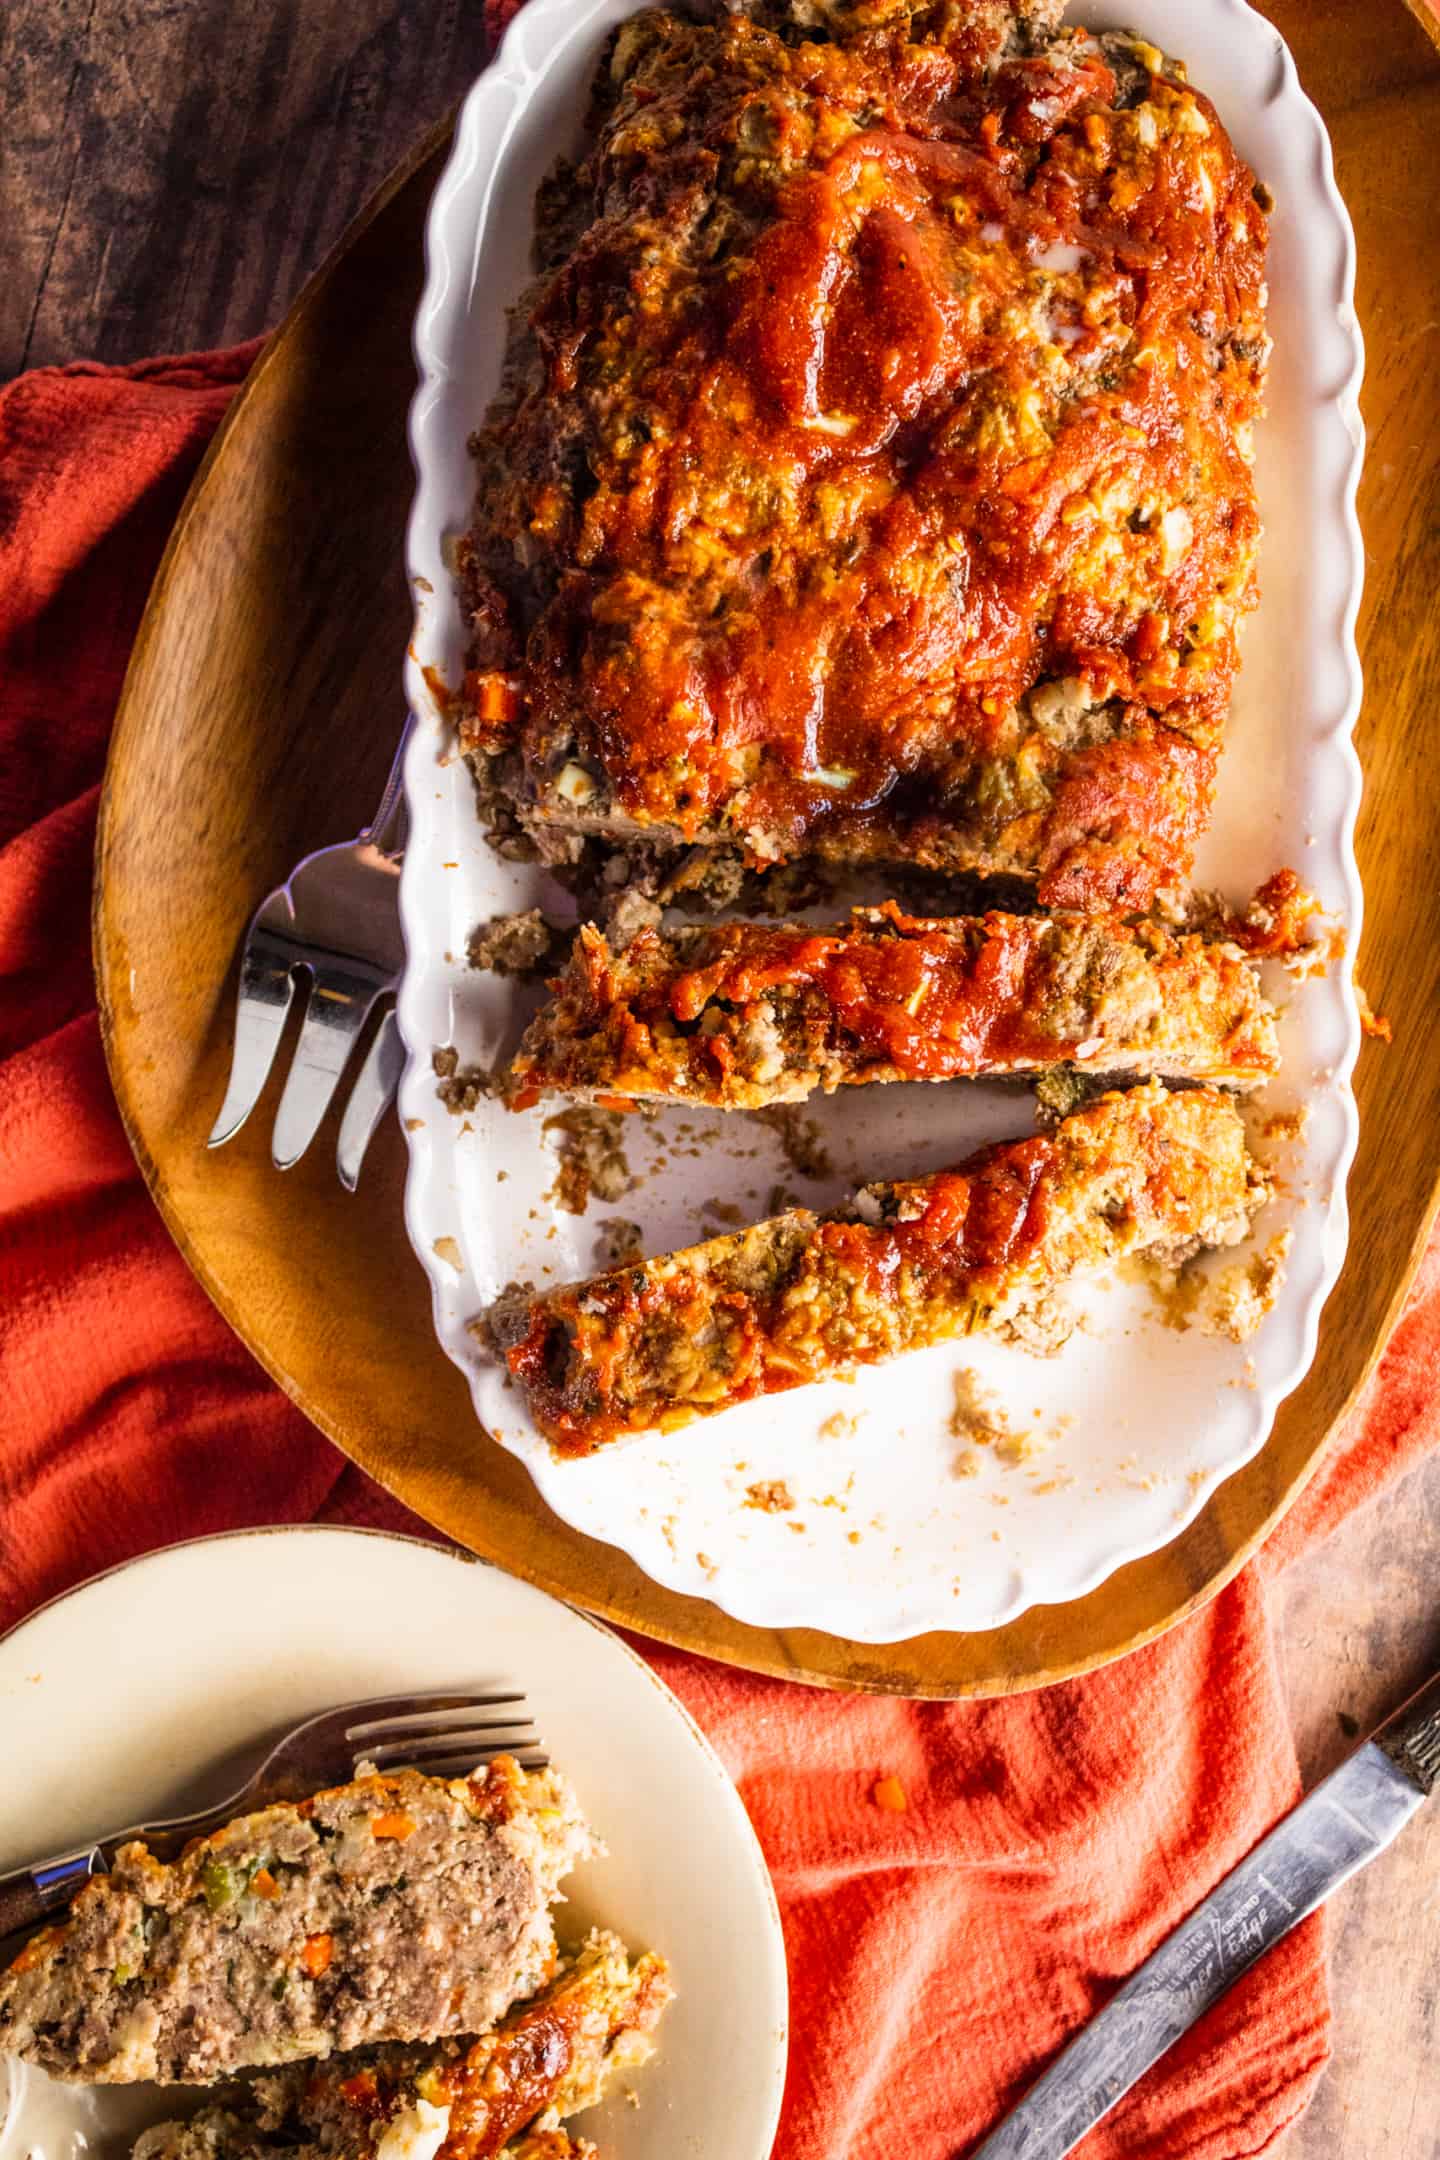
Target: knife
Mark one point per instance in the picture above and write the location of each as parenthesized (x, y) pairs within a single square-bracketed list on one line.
[(1349, 1817)]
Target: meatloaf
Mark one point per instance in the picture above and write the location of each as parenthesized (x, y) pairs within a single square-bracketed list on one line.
[(805, 1296), (223, 2134), (872, 475), (398, 1907), (452, 2100), (738, 1015)]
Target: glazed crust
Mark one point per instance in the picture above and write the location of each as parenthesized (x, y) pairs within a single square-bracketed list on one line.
[(802, 1297), (740, 1015), (872, 477)]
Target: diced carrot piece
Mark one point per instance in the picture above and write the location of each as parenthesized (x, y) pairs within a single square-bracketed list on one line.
[(889, 1793), (361, 2092), (263, 1883), (316, 1954), (496, 700), (394, 1825)]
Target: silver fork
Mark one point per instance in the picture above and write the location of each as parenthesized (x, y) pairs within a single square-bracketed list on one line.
[(438, 1732), (336, 919)]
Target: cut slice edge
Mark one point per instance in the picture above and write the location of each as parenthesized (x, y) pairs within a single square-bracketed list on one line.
[(505, 2093), (286, 1919), (743, 1015), (906, 1264)]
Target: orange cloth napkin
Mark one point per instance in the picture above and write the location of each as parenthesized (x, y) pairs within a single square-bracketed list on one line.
[(939, 1954)]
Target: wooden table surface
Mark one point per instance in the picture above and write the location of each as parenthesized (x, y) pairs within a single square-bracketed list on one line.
[(171, 171)]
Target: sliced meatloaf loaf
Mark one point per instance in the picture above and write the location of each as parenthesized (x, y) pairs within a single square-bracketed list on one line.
[(802, 1297), (739, 1015), (454, 2100), (872, 477), (399, 1907)]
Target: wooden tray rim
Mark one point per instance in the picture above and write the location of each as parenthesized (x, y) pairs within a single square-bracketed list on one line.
[(652, 1624)]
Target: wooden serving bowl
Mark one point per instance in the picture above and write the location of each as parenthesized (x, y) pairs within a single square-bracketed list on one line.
[(258, 719)]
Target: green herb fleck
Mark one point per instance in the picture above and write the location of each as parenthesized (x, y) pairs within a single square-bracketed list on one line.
[(219, 1885)]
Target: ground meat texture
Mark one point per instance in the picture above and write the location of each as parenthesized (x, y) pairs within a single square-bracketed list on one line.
[(872, 479), (461, 1088), (803, 1297), (741, 1015), (802, 1143), (590, 1146), (515, 944), (397, 1907), (221, 2134), (458, 2100)]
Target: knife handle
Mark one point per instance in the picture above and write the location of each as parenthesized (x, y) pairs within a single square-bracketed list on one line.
[(1411, 1738)]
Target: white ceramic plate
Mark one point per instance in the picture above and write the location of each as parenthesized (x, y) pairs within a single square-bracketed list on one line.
[(131, 1697), (1139, 1422)]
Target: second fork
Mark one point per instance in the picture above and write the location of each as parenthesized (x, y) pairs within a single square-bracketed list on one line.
[(336, 921)]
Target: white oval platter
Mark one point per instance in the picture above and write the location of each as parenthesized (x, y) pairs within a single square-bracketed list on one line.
[(1134, 1423), (136, 1695)]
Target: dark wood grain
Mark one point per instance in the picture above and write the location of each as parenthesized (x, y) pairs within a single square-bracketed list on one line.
[(171, 170)]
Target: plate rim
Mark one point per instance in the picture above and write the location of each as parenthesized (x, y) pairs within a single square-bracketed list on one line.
[(513, 73), (771, 1955)]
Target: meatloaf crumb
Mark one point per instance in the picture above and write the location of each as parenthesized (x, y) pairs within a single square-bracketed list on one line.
[(772, 1496), (801, 1141), (621, 1241), (399, 1907), (516, 944), (592, 1157), (462, 1087)]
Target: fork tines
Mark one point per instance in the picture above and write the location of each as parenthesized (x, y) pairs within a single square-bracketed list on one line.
[(334, 926), (448, 1739)]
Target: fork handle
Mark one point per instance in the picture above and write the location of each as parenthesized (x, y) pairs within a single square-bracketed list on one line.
[(389, 829), (29, 1895)]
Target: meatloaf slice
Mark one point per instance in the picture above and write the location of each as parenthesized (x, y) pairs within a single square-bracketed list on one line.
[(738, 1015), (454, 2100), (222, 2134), (399, 1907), (802, 1297)]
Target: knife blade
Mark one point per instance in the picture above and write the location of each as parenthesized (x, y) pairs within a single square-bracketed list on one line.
[(1349, 1817)]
